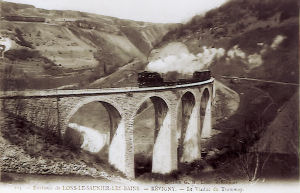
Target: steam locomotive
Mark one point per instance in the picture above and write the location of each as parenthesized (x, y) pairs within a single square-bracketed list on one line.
[(154, 79)]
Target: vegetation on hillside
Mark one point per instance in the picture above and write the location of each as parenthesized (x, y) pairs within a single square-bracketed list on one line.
[(66, 45), (232, 17), (248, 31)]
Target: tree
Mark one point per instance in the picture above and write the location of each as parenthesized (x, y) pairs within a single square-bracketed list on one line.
[(105, 58), (250, 161), (13, 78)]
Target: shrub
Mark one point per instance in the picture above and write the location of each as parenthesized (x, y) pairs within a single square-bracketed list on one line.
[(22, 54), (47, 66), (207, 23), (73, 139), (13, 78), (38, 33), (21, 41)]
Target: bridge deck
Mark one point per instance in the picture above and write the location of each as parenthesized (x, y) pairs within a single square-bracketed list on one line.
[(55, 92)]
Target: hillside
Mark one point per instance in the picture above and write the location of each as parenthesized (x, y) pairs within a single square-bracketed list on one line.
[(279, 136), (58, 48), (220, 41), (257, 38), (243, 38)]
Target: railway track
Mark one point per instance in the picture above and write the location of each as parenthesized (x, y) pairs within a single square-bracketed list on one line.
[(260, 80)]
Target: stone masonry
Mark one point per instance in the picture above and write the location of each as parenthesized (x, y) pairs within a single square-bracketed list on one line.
[(52, 109)]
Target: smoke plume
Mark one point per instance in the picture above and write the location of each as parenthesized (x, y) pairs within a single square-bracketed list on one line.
[(186, 62), (253, 60), (277, 41), (176, 58), (236, 52)]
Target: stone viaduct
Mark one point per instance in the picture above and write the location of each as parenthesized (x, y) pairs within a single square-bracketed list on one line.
[(174, 142)]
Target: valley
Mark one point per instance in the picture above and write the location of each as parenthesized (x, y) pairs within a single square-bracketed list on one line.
[(252, 40)]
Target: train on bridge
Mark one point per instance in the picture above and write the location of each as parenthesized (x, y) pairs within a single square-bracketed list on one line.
[(154, 79)]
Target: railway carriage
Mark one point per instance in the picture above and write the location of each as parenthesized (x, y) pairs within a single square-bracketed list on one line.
[(154, 79)]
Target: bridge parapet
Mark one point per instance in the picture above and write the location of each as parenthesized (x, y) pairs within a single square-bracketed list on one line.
[(86, 92)]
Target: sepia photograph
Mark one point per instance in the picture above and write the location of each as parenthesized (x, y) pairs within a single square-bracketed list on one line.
[(149, 96)]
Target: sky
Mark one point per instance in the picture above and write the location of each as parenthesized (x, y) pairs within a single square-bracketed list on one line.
[(159, 11)]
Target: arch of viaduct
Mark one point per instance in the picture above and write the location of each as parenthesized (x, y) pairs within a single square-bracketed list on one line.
[(54, 108)]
